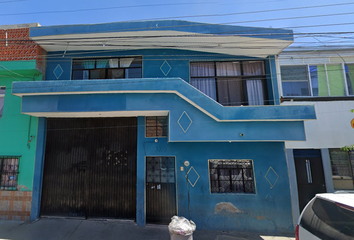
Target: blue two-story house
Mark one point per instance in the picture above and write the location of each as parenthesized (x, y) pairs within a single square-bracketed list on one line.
[(146, 120)]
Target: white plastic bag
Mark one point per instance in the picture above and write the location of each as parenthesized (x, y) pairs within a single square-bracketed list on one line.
[(181, 226)]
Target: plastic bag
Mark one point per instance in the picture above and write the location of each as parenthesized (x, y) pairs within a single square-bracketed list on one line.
[(181, 226)]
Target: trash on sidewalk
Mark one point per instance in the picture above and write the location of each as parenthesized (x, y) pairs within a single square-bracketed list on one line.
[(181, 228)]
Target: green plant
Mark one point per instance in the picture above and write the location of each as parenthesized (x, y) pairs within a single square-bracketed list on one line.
[(348, 148)]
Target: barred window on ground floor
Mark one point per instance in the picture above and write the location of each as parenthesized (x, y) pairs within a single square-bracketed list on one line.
[(2, 99), (156, 126), (342, 168), (9, 170), (231, 176)]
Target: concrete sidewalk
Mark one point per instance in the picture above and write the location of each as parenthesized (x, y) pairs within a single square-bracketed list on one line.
[(70, 229)]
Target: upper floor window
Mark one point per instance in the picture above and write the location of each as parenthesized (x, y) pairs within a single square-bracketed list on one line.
[(107, 68), (231, 83), (321, 80), (2, 99)]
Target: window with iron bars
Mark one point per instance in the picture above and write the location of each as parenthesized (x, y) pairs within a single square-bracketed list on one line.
[(9, 170), (156, 126), (231, 176)]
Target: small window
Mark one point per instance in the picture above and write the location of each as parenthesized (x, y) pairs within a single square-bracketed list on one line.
[(231, 176), (156, 126), (2, 98), (9, 167)]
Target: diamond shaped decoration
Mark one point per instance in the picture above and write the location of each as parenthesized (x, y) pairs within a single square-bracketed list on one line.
[(165, 68), (272, 177), (58, 71), (192, 176), (184, 121)]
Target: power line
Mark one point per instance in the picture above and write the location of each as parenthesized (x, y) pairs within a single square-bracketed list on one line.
[(106, 8), (250, 12)]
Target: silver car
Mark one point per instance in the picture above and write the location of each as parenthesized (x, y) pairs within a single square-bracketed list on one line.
[(328, 216)]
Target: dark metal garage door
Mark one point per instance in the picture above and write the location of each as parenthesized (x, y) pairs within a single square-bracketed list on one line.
[(90, 168)]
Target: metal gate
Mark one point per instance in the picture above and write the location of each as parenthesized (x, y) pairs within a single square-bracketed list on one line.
[(160, 189), (90, 168)]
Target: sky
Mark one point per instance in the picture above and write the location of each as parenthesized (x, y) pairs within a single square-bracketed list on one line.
[(315, 23)]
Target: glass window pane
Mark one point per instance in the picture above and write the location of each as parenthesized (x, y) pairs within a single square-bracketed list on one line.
[(318, 80), (255, 91), (137, 62), (80, 74), (349, 71), (225, 69), (98, 74), (102, 63), (230, 91), (83, 64), (336, 80), (205, 85), (115, 73), (125, 62), (290, 73), (133, 73), (113, 63), (253, 68), (205, 69), (296, 89), (156, 126)]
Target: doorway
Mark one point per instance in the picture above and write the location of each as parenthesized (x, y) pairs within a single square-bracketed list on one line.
[(160, 189), (309, 174), (90, 168)]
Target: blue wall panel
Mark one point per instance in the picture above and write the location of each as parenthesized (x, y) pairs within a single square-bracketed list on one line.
[(187, 123), (268, 210)]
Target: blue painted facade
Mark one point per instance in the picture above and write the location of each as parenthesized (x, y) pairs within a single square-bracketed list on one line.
[(199, 128)]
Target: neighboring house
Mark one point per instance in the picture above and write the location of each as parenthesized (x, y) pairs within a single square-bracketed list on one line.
[(129, 109), (323, 77), (20, 60)]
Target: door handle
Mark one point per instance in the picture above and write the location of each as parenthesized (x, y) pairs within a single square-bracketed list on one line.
[(308, 170)]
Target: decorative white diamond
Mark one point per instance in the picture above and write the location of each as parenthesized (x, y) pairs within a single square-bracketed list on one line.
[(165, 68), (196, 180), (184, 120), (58, 71), (271, 182)]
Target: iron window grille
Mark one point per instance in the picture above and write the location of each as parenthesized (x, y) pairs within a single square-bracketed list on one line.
[(160, 169), (231, 176), (9, 170), (156, 126)]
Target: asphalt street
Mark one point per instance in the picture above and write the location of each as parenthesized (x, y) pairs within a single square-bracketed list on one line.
[(70, 229)]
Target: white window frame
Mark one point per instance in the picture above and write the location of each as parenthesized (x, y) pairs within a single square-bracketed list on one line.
[(327, 79)]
